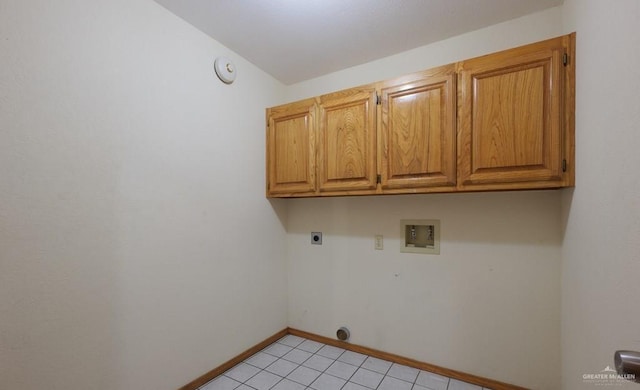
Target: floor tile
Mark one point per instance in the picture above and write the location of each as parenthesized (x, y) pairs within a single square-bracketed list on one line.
[(341, 370), (377, 365), (432, 381), (328, 382), (390, 383), (310, 346), (405, 373), (303, 375), (297, 356), (263, 380), (354, 386), (291, 340), (286, 384), (352, 358), (261, 360), (221, 383), (281, 367), (318, 362), (330, 351), (295, 363), (242, 372), (278, 350), (455, 384), (367, 378)]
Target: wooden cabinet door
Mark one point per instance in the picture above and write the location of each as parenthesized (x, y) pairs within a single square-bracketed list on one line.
[(511, 118), (418, 131), (291, 149), (347, 141)]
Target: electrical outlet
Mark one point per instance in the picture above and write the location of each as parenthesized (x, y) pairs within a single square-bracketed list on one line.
[(316, 238), (378, 242)]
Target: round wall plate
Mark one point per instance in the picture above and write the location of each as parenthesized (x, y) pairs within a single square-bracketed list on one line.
[(225, 69)]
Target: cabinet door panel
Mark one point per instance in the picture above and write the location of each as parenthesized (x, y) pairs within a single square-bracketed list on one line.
[(291, 151), (346, 154), (511, 127), (418, 133)]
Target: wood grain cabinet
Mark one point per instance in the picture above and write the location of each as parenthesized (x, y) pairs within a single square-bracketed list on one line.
[(515, 118), (291, 156), (418, 132), (498, 122), (346, 141)]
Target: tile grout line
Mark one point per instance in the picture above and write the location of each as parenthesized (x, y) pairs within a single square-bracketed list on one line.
[(265, 368), (358, 367), (301, 364), (324, 371), (332, 362), (354, 372), (298, 364)]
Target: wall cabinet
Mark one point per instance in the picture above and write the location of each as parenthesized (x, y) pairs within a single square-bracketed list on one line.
[(347, 141), (497, 122), (418, 132), (513, 129), (291, 149)]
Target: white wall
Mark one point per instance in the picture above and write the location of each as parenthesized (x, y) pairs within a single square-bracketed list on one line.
[(489, 304), (131, 186), (129, 175), (531, 28), (601, 248)]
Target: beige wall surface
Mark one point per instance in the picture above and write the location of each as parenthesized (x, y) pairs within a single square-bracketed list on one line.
[(131, 181), (601, 216), (131, 192), (488, 300), (531, 28), (489, 304)]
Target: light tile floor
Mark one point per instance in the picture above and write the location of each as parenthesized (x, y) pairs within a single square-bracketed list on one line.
[(295, 363)]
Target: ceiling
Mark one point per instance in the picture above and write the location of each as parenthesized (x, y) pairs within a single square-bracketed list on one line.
[(296, 40)]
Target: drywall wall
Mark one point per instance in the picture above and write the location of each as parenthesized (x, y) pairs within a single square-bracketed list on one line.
[(131, 187), (531, 28), (489, 304), (601, 247)]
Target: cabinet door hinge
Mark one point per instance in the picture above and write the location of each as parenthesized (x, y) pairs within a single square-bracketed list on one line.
[(378, 100), (565, 59), (378, 179), (564, 165)]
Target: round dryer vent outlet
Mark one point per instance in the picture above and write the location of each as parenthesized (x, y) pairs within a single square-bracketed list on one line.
[(343, 334)]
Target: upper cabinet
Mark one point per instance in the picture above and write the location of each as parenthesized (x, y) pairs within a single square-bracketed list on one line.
[(418, 132), (513, 132), (497, 122), (347, 141), (291, 147)]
